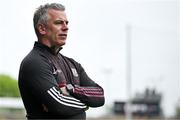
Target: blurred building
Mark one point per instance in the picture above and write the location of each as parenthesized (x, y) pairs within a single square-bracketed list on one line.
[(147, 104)]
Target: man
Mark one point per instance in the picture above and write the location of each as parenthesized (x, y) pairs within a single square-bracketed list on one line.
[(52, 85)]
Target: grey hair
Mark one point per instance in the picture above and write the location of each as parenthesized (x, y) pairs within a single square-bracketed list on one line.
[(41, 14)]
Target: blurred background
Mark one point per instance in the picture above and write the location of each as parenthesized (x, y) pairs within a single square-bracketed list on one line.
[(130, 47)]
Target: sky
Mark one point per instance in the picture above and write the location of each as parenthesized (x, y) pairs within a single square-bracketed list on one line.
[(97, 39)]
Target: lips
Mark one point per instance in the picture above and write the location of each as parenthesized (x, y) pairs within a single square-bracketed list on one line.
[(63, 35)]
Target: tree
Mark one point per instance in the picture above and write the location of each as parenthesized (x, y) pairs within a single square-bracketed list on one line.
[(178, 110), (8, 86)]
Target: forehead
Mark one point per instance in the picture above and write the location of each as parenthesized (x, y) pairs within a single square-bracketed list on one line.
[(56, 14)]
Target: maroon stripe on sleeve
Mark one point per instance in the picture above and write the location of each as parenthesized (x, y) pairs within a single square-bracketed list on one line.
[(94, 92)]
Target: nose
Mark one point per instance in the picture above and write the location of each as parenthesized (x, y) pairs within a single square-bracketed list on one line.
[(65, 27)]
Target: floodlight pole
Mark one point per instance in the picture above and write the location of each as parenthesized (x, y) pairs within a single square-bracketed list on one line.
[(128, 109)]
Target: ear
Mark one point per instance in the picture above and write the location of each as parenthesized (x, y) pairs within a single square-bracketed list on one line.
[(42, 29)]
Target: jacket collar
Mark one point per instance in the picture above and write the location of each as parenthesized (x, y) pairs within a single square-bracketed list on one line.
[(53, 50)]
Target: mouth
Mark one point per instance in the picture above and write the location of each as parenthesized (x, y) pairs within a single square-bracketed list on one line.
[(63, 35)]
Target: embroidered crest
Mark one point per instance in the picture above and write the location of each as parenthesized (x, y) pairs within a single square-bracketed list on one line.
[(56, 71), (74, 72)]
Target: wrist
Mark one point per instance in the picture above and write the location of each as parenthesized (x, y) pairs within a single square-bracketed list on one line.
[(70, 88)]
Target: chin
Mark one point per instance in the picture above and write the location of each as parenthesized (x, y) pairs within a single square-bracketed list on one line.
[(61, 44)]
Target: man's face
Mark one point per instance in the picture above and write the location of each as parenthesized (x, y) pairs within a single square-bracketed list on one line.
[(56, 29)]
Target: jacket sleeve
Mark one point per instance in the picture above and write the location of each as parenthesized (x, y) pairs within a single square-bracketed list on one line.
[(40, 81), (88, 92)]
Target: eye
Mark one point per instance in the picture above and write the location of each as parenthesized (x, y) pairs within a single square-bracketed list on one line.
[(61, 22)]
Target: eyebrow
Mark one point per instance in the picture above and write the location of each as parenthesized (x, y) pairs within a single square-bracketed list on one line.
[(61, 20)]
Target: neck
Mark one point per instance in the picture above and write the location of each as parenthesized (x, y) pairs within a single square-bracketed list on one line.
[(54, 48), (45, 42)]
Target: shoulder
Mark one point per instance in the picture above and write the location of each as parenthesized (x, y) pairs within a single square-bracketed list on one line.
[(34, 60)]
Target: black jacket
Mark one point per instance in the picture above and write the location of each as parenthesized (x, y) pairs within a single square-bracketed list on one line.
[(41, 74)]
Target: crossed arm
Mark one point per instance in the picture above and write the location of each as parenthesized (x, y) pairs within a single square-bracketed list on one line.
[(46, 90)]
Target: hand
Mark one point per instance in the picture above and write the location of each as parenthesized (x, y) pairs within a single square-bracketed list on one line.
[(64, 91)]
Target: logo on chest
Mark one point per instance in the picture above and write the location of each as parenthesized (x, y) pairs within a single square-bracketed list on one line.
[(55, 72), (74, 72)]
